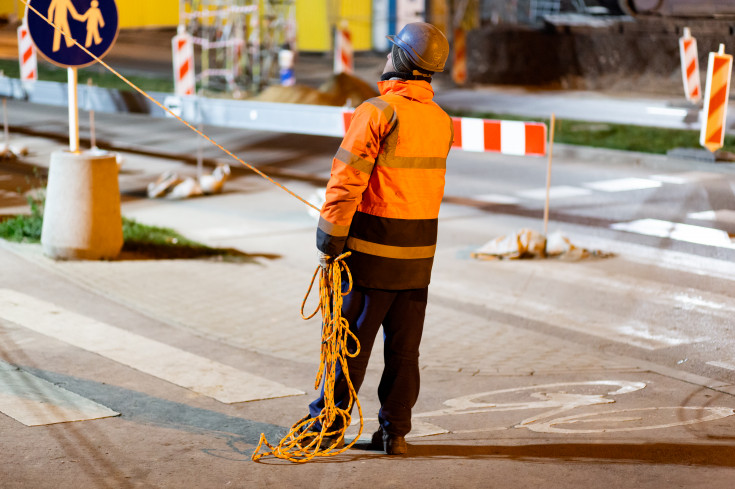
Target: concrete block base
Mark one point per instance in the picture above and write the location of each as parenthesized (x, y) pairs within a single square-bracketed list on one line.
[(81, 218)]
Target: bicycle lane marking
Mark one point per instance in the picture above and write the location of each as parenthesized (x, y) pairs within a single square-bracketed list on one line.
[(716, 412), (560, 402)]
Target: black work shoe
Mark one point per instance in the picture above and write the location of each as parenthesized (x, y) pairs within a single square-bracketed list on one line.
[(376, 442), (391, 444), (326, 443)]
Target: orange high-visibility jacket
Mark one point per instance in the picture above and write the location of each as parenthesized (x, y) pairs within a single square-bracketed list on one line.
[(386, 186)]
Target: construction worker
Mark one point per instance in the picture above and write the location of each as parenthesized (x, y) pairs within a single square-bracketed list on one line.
[(382, 205)]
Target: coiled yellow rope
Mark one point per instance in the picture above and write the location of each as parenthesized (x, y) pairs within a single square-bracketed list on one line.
[(302, 444)]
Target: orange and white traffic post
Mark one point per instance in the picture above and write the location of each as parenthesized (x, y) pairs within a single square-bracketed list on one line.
[(714, 117), (343, 52), (183, 57), (27, 55), (690, 66)]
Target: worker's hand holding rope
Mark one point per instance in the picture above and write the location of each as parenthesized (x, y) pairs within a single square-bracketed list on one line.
[(302, 443)]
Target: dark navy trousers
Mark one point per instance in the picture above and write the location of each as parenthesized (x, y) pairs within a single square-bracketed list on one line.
[(401, 313)]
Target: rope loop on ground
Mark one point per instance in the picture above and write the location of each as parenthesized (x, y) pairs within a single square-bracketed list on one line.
[(314, 437)]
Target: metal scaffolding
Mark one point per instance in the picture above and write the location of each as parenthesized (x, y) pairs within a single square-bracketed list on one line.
[(238, 41)]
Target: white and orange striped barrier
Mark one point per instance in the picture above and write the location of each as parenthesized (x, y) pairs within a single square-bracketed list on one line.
[(343, 53), (690, 66), (183, 58), (459, 61), (506, 137), (719, 70), (27, 55)]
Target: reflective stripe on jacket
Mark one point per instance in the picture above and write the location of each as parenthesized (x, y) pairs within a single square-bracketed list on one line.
[(386, 186)]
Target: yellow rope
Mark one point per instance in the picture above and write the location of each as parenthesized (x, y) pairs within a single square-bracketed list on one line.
[(167, 110), (302, 444)]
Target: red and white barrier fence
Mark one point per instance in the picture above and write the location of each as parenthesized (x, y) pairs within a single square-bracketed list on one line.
[(183, 58), (27, 55), (506, 137)]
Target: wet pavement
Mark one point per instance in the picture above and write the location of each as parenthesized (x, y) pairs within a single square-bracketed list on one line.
[(507, 400), (534, 373)]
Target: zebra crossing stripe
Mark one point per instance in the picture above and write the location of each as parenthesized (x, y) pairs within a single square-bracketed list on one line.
[(202, 375), (34, 401), (677, 231)]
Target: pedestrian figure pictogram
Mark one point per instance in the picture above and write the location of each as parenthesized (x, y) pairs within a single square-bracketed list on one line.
[(94, 20), (58, 13)]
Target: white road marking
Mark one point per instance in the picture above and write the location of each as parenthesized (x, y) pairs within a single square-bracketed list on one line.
[(722, 215), (667, 111), (623, 184), (680, 232), (222, 382), (728, 366), (558, 192), (631, 422), (34, 401), (672, 260), (496, 199), (685, 177), (558, 399)]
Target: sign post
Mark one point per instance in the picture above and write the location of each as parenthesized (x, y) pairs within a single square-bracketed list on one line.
[(59, 31), (81, 216)]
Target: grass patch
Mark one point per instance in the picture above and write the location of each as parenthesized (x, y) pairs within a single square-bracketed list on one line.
[(24, 229), (104, 79), (140, 241), (137, 233), (614, 136)]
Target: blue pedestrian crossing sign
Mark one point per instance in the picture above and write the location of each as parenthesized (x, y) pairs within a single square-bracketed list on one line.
[(91, 23)]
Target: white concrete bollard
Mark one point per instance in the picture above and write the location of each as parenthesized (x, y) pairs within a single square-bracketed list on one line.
[(81, 217)]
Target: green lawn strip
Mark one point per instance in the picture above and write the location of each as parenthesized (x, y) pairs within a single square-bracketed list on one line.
[(612, 136), (140, 240), (164, 243), (104, 79)]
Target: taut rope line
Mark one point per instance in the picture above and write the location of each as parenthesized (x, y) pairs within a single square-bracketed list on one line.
[(168, 111)]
